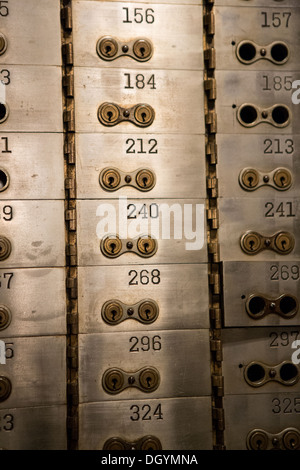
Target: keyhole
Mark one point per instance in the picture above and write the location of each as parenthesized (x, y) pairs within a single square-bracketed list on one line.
[(259, 443), (251, 243), (111, 180), (107, 50), (148, 380), (113, 313), (283, 243), (292, 443), (114, 381), (147, 312), (113, 247), (144, 117), (142, 51), (145, 181), (109, 115), (146, 246), (282, 180), (250, 181)]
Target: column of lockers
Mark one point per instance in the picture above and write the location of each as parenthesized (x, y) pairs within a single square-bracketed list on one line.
[(32, 234), (257, 54), (144, 360)]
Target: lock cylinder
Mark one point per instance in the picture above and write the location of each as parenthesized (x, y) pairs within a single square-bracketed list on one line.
[(5, 317), (5, 388), (5, 248)]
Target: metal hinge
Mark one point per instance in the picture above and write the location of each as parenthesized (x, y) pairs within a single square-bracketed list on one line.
[(71, 253), (209, 23), (216, 347), (72, 354), (212, 186), (215, 314), (210, 57), (71, 283), (218, 418), (70, 185), (211, 88), (68, 84), (70, 216), (218, 385), (214, 280), (69, 120), (72, 391), (213, 249), (213, 217), (211, 152), (211, 122), (69, 149), (67, 53), (66, 18)]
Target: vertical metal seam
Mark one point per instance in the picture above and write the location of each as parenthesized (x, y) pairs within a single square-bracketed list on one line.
[(70, 223), (214, 266)]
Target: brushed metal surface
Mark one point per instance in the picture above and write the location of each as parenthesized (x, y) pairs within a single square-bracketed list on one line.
[(185, 423), (244, 345), (36, 368), (177, 100), (32, 32), (272, 412), (169, 250), (261, 152), (178, 165), (238, 215), (239, 24), (31, 165), (242, 279), (36, 233), (34, 99), (181, 294), (36, 428), (237, 87), (176, 34), (182, 362), (258, 3), (29, 294)]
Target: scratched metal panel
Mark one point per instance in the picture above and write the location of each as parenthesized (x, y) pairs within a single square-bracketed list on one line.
[(33, 98), (185, 423), (234, 25), (93, 227), (236, 88), (35, 231), (177, 100), (262, 153), (271, 279), (29, 294), (272, 412), (34, 165), (237, 216), (270, 346), (181, 292), (258, 3), (32, 32), (182, 373), (176, 34), (38, 428), (36, 368), (176, 177)]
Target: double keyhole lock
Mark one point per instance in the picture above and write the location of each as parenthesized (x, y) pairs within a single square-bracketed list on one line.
[(112, 246), (109, 48), (281, 242), (143, 443), (258, 374), (287, 439), (116, 380), (114, 311), (111, 114), (259, 306), (112, 179), (251, 179)]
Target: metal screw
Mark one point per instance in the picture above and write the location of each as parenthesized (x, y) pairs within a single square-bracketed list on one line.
[(272, 373), (130, 311), (263, 52), (128, 179), (125, 48), (264, 114), (129, 245), (266, 179)]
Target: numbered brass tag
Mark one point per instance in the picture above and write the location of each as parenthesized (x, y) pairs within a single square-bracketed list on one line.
[(251, 179), (143, 443), (112, 246), (114, 312), (258, 374), (287, 439), (281, 242), (109, 48), (249, 52), (111, 114), (258, 306), (112, 179), (116, 380), (250, 115)]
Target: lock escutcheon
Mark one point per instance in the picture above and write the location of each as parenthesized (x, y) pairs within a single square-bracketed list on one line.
[(148, 311), (111, 178), (284, 242), (258, 441), (144, 114), (291, 440), (113, 381), (142, 49), (145, 179), (107, 47), (149, 379), (146, 245), (282, 178), (109, 113), (251, 243), (112, 312), (112, 246)]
